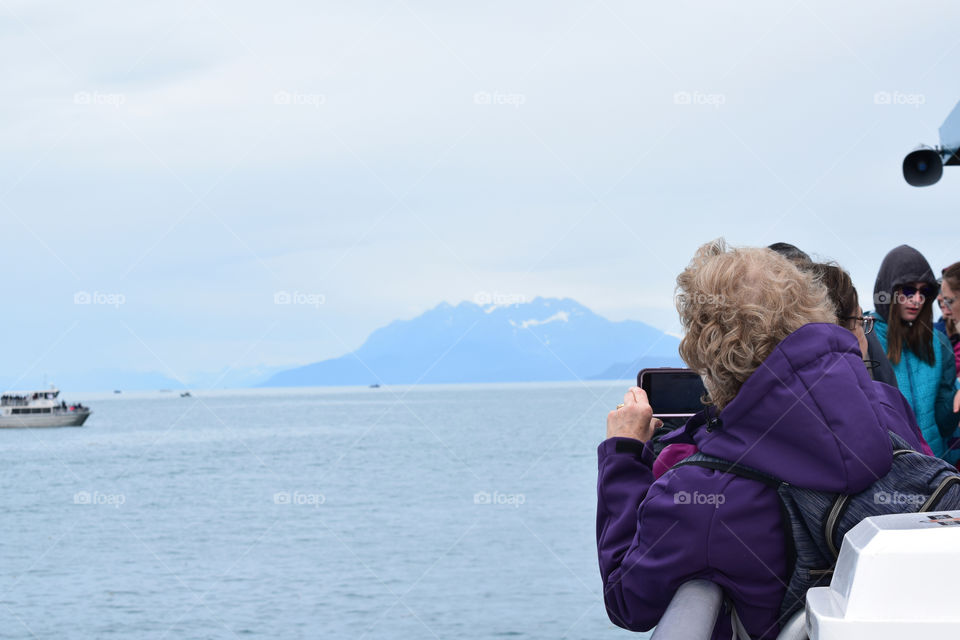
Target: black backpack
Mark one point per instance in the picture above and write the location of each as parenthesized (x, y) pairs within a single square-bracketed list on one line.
[(816, 521)]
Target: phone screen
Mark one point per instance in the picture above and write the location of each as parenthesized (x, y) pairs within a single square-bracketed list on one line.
[(672, 392)]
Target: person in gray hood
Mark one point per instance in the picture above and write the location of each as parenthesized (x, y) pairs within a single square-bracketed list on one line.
[(922, 358)]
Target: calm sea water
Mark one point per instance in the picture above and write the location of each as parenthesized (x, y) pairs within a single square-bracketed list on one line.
[(425, 512)]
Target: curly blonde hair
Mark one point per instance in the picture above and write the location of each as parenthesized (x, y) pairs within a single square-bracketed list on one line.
[(736, 305)]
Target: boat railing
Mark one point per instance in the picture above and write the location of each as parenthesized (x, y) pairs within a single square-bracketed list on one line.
[(692, 612), (694, 609)]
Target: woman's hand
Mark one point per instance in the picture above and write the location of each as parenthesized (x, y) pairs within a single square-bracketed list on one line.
[(634, 419)]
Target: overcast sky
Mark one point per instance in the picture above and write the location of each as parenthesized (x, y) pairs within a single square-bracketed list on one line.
[(185, 163)]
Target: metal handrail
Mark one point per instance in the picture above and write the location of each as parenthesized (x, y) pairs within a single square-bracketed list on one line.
[(795, 628), (692, 612), (692, 615)]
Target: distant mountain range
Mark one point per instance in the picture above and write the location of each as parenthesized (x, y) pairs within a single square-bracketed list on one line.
[(126, 380), (547, 339)]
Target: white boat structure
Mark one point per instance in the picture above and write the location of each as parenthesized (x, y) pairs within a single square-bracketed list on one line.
[(19, 409)]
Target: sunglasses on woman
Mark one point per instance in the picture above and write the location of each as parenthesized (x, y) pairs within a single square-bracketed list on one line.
[(866, 320), (908, 290)]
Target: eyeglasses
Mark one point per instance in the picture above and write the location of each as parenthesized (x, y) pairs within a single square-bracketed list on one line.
[(866, 320), (908, 290)]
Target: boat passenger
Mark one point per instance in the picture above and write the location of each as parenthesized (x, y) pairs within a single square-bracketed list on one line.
[(880, 368), (848, 314), (922, 358), (789, 396), (949, 301)]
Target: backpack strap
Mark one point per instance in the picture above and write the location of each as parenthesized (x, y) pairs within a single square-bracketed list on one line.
[(901, 447), (832, 523), (725, 466), (937, 494), (839, 506)]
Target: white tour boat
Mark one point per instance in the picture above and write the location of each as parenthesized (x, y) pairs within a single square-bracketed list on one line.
[(39, 409)]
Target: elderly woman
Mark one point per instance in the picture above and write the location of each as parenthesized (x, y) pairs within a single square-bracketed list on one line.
[(789, 396)]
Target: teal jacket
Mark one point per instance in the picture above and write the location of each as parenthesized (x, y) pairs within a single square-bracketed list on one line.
[(929, 389)]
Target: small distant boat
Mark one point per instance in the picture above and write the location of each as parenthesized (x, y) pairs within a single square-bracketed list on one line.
[(40, 409), (185, 394), (117, 391), (375, 386)]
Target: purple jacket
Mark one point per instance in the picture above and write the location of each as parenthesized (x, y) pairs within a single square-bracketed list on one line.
[(809, 415)]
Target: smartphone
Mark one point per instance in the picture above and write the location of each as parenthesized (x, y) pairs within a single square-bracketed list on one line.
[(672, 392)]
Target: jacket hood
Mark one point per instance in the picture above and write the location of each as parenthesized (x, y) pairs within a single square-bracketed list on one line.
[(902, 265), (808, 415)]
